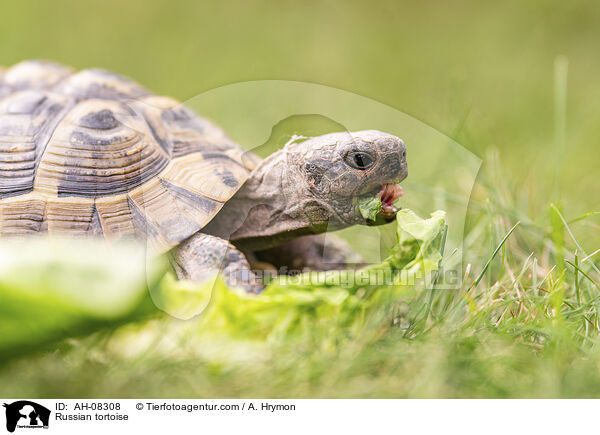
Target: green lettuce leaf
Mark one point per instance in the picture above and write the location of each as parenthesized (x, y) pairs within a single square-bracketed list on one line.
[(369, 207), (334, 300), (51, 290)]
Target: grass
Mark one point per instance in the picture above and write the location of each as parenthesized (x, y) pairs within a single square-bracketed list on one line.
[(526, 320)]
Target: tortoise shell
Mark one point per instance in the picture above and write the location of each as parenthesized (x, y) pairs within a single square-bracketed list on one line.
[(94, 153)]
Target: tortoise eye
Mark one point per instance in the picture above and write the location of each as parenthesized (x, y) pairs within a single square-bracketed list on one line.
[(360, 160)]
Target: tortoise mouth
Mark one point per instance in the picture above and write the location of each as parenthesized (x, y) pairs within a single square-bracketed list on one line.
[(389, 193)]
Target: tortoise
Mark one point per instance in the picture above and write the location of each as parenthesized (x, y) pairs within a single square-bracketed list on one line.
[(94, 153)]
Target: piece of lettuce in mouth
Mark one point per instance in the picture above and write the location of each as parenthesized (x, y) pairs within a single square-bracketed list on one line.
[(369, 207)]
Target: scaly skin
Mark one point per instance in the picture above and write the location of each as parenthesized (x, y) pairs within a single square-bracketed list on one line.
[(202, 256), (309, 187)]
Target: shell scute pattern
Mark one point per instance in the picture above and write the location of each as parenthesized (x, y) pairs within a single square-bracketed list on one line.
[(179, 130), (27, 118), (90, 162), (100, 120), (35, 75), (22, 214), (101, 84), (95, 153)]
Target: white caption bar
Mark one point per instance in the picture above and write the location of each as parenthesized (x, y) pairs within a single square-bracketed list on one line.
[(157, 416)]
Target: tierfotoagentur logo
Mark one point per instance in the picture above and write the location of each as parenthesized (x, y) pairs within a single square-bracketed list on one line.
[(25, 414)]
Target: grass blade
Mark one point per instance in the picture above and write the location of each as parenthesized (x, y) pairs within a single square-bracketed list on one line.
[(579, 247), (576, 267), (487, 264)]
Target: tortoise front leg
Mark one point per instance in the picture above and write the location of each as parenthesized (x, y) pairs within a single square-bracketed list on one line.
[(202, 256), (311, 253)]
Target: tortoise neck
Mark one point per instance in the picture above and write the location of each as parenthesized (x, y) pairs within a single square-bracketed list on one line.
[(269, 209)]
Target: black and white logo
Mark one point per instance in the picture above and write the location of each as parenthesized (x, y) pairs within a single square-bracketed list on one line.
[(25, 414)]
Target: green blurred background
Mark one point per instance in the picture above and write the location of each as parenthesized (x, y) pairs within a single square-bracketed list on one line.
[(482, 74), (479, 73)]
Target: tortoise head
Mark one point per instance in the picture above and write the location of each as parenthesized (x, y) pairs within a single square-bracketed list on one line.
[(314, 185), (335, 171)]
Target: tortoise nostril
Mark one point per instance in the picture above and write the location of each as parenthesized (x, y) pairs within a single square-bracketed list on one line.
[(403, 155)]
